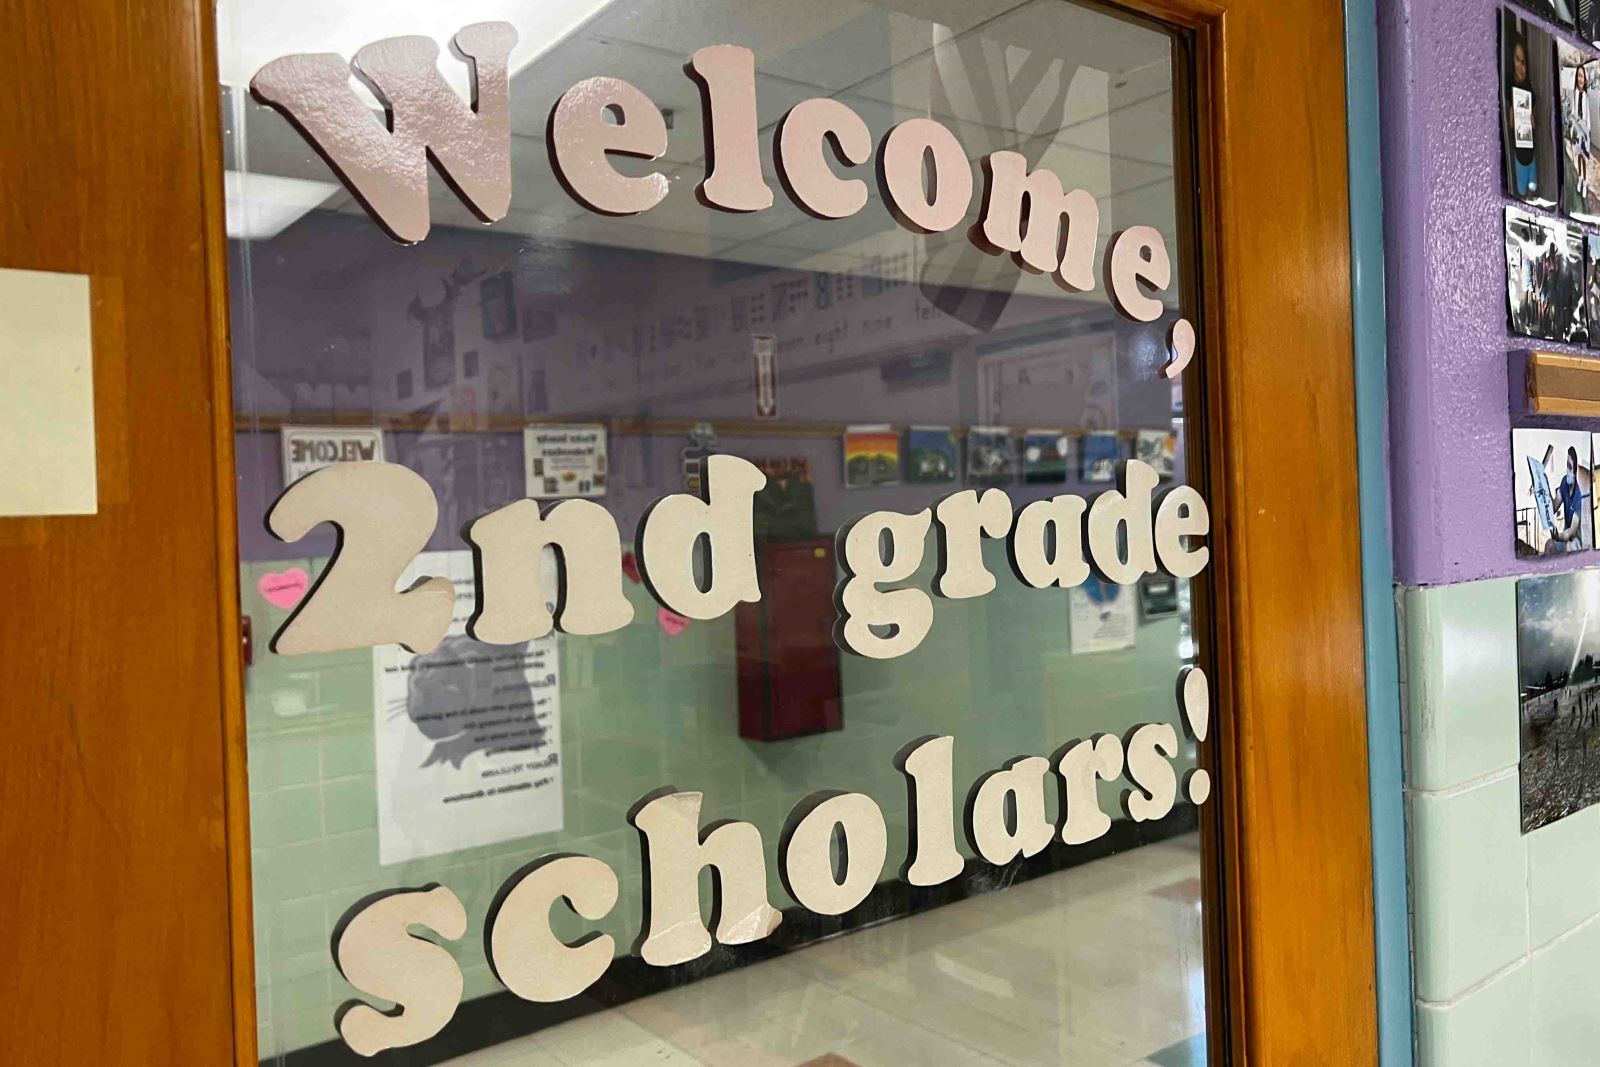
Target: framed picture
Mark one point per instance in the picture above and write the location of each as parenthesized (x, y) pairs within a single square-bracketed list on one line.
[(1527, 80), (498, 296), (1558, 694), (1544, 278), (1553, 492)]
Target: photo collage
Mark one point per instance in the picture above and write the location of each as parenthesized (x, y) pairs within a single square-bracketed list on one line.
[(879, 455), (1550, 95)]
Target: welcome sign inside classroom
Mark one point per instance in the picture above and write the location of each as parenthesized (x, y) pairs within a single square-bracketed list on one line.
[(386, 515)]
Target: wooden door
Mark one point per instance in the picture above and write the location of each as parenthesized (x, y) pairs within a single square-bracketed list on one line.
[(123, 810)]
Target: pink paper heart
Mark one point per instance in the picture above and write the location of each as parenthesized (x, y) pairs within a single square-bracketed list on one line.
[(284, 590), (672, 622), (630, 567)]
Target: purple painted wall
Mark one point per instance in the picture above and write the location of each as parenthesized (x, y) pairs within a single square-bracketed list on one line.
[(1450, 421)]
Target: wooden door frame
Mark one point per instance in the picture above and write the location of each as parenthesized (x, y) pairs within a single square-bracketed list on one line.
[(114, 170), (1294, 957)]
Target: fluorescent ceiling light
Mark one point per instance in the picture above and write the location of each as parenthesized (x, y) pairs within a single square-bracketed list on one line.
[(252, 33), (261, 206)]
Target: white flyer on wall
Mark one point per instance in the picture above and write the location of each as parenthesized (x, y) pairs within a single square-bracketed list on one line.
[(310, 448), (468, 735), (1104, 616), (565, 460)]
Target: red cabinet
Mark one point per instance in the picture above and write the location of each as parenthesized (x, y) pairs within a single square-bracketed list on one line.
[(788, 665)]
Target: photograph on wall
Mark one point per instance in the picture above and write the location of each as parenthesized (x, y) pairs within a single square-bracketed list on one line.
[(991, 455), (871, 456), (498, 294), (1527, 81), (1101, 454), (1580, 148), (1044, 456), (931, 454), (468, 735), (1591, 284), (1588, 19), (1558, 694), (1544, 278), (1562, 11), (1158, 448), (565, 459), (1104, 617), (1552, 480)]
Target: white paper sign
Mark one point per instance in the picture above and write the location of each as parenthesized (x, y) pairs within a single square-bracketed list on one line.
[(310, 448), (1104, 616), (468, 735), (565, 460)]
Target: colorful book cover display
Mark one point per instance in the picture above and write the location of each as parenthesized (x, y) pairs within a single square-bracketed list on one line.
[(1101, 454), (931, 454), (1159, 449), (991, 455), (1044, 455), (871, 456)]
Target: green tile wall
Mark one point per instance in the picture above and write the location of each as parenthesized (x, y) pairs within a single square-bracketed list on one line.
[(1505, 926), (641, 710)]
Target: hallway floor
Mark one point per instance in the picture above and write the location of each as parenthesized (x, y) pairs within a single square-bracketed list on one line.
[(1097, 966)]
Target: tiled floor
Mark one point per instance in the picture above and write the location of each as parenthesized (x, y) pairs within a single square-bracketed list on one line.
[(1099, 966)]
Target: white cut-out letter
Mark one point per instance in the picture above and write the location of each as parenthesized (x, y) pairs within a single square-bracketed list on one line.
[(1150, 751), (862, 605), (1027, 214), (802, 163), (1083, 765), (672, 527), (1121, 541), (805, 861), (387, 169), (1046, 544), (512, 604), (726, 74), (1138, 254), (385, 514), (929, 768), (1019, 790), (1182, 513), (525, 954), (674, 854), (913, 203), (964, 519), (580, 137), (376, 952)]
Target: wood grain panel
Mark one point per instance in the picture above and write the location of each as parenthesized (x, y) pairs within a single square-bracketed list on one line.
[(1293, 865), (114, 667)]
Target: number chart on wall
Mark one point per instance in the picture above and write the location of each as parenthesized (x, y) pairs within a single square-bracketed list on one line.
[(718, 523)]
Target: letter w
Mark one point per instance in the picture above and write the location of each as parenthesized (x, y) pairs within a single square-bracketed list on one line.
[(387, 169)]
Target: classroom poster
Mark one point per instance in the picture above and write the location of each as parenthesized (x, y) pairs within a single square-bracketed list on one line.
[(1103, 616), (468, 736), (309, 448), (565, 459)]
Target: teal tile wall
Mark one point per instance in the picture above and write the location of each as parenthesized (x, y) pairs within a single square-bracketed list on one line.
[(1505, 926), (641, 710)]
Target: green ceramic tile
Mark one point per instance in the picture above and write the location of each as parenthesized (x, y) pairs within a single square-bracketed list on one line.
[(348, 753), (296, 927), (1488, 1027), (1564, 875), (1564, 1023), (285, 816), (277, 762), (1469, 884), (1461, 682), (350, 804)]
